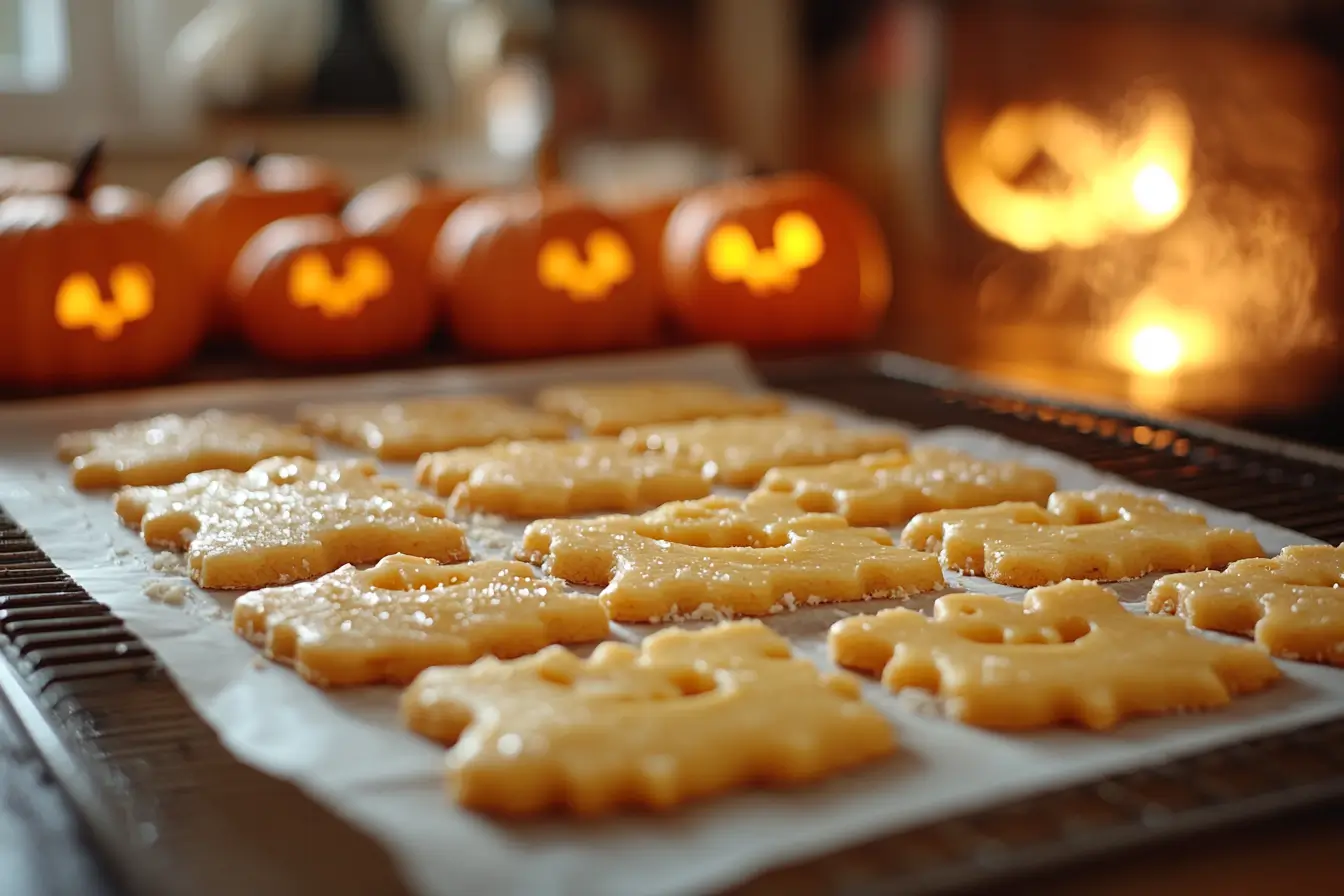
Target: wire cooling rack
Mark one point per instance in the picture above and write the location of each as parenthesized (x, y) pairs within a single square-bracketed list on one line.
[(173, 811)]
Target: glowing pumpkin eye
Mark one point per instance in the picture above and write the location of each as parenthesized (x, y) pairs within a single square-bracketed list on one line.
[(609, 256), (312, 284), (730, 254), (609, 264), (798, 241), (80, 304)]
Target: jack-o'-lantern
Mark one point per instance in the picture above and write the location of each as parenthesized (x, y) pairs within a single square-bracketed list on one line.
[(98, 292), (787, 259), (410, 209), (217, 206), (541, 272), (21, 175), (306, 290)]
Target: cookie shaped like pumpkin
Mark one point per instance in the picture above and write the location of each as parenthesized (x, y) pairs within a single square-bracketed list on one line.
[(775, 260), (309, 291), (541, 272), (97, 289), (219, 204)]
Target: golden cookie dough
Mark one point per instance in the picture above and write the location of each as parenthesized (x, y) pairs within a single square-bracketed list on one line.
[(607, 408)]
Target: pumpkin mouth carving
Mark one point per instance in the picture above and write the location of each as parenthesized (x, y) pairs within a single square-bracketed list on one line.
[(732, 255), (80, 304), (609, 264), (313, 284)]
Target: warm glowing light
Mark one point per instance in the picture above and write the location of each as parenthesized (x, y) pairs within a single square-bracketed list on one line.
[(610, 263), (1156, 349), (1111, 185), (732, 256), (1156, 191), (80, 304), (312, 284)]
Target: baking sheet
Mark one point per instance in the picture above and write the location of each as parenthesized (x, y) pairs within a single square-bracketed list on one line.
[(347, 750)]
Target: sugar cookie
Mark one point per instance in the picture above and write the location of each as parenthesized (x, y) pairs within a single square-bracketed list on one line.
[(1102, 535), (1068, 653), (165, 449), (738, 451), (1293, 604), (288, 519), (403, 430), (392, 621), (687, 715), (607, 408), (889, 488), (535, 479), (584, 551)]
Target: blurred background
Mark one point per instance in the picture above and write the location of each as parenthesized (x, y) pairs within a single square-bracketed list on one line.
[(1122, 200)]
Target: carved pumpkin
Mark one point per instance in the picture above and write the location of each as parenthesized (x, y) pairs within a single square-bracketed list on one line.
[(24, 176), (775, 260), (98, 292), (217, 206), (307, 290), (541, 272), (410, 209)]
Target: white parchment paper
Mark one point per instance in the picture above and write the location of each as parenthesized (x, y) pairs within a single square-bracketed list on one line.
[(348, 751)]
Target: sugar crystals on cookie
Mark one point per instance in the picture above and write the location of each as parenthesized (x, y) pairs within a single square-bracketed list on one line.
[(392, 621), (686, 715), (609, 408), (288, 519), (1068, 653), (165, 449)]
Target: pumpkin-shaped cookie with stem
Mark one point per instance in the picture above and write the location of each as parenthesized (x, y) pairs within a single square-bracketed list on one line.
[(219, 204), (307, 290), (408, 208), (775, 260), (98, 289), (540, 272)]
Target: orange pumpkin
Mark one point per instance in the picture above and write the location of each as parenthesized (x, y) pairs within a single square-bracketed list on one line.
[(307, 290), (98, 290), (645, 220), (779, 260), (20, 175), (410, 209), (217, 205), (541, 272)]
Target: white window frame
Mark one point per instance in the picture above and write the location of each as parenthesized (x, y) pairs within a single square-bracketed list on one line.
[(115, 80)]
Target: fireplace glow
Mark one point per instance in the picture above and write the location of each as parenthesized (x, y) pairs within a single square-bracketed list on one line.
[(1156, 349), (1097, 182)]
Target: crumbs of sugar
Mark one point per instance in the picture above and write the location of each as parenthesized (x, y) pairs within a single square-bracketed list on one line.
[(920, 702), (706, 612), (169, 563), (166, 591)]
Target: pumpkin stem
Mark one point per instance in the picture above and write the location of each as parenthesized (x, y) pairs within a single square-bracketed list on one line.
[(760, 169), (426, 175), (85, 171), (250, 157)]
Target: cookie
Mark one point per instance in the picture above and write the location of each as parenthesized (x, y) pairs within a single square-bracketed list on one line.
[(388, 623), (288, 519), (535, 479), (584, 551), (889, 488), (1293, 604), (1068, 653), (608, 409), (165, 449), (1105, 536), (687, 715), (739, 451), (403, 430)]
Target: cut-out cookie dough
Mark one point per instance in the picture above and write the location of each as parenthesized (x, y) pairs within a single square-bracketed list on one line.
[(1105, 536), (726, 557), (889, 488), (388, 623), (686, 715), (608, 409), (739, 451), (584, 551), (1293, 604), (165, 449), (403, 430), (536, 479), (288, 519), (1068, 653)]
